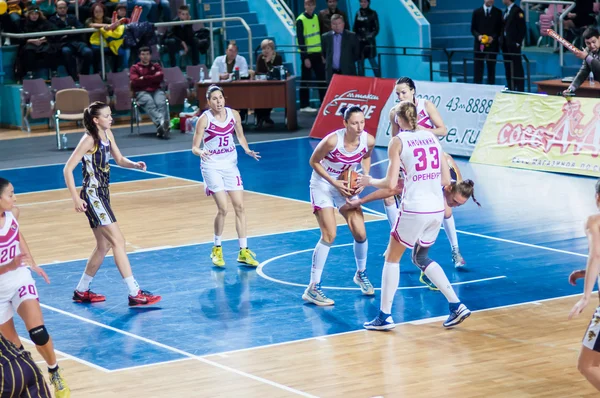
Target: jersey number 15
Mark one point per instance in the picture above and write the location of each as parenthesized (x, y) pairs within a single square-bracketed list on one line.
[(423, 159)]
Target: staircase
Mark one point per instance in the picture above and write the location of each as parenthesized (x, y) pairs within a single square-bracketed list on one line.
[(234, 30), (451, 29)]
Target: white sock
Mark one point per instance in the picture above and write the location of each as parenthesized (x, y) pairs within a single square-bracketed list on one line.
[(217, 240), (318, 261), (243, 243), (132, 285), (360, 254), (450, 229), (84, 283), (391, 212), (436, 274), (390, 278)]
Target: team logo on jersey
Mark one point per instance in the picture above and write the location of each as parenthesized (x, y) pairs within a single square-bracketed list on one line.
[(103, 216), (13, 227), (96, 204), (351, 98), (591, 335), (94, 186), (90, 191), (596, 320)]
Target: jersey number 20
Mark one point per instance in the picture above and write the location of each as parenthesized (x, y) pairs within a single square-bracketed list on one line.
[(423, 159)]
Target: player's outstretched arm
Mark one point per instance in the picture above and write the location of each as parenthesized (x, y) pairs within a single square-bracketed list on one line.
[(119, 158), (391, 179), (239, 133)]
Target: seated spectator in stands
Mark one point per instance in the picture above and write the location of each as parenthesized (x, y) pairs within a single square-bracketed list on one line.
[(121, 10), (590, 57), (146, 82), (112, 33), (228, 62), (145, 4), (264, 66), (581, 16), (41, 49), (340, 49), (12, 20), (326, 14), (72, 46), (160, 8), (181, 38), (83, 8)]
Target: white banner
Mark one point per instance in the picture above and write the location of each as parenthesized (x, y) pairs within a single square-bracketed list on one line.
[(462, 106)]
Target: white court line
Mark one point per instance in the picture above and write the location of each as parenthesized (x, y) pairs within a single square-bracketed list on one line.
[(57, 360), (181, 352), (112, 194), (259, 271), (149, 365), (157, 153), (65, 188)]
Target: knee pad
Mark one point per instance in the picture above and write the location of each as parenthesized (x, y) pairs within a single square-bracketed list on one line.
[(420, 257), (39, 335)]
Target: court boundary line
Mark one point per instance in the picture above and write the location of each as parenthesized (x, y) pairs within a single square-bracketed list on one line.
[(262, 274), (79, 187), (182, 352), (159, 153)]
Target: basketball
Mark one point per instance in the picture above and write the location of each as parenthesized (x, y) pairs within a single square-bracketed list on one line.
[(350, 177)]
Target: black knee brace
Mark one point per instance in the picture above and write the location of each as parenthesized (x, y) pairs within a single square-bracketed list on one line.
[(39, 335), (420, 257)]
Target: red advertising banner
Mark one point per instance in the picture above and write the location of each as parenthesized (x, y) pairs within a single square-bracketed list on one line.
[(370, 94)]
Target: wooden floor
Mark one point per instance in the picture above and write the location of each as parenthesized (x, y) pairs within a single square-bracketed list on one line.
[(528, 350)]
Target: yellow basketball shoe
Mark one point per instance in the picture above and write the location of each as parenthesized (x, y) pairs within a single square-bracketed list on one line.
[(247, 257), (61, 389), (217, 256)]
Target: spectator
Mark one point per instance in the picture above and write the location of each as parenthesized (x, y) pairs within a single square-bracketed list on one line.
[(160, 7), (228, 62), (146, 81), (112, 33), (514, 34), (582, 15), (145, 4), (182, 38), (40, 49), (590, 57), (326, 14), (486, 23), (13, 17), (340, 49), (366, 27), (72, 45), (309, 45), (264, 66)]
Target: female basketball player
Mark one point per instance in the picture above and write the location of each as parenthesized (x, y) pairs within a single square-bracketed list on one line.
[(428, 117), (218, 163), (94, 151), (418, 224), (339, 151), (589, 356), (18, 292)]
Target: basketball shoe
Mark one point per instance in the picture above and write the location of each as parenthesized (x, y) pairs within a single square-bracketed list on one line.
[(457, 258), (61, 389), (360, 278), (247, 256), (458, 313), (143, 297), (217, 256), (315, 295), (381, 322), (87, 297)]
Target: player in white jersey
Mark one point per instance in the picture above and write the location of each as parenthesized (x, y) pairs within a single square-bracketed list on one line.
[(419, 155), (339, 151), (18, 292), (589, 356), (218, 162), (428, 117)]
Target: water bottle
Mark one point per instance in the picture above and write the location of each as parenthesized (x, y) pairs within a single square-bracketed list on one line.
[(236, 73), (214, 74), (186, 106), (63, 140), (201, 75), (591, 77)]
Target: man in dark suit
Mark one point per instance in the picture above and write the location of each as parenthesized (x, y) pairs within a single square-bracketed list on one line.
[(486, 28), (512, 39), (340, 49)]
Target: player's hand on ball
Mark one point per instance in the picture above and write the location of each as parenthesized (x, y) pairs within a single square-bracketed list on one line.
[(342, 187), (579, 307), (576, 275), (363, 181), (140, 166), (80, 205), (253, 154)]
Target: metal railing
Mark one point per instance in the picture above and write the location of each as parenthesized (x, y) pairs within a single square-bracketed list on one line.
[(210, 21), (561, 18)]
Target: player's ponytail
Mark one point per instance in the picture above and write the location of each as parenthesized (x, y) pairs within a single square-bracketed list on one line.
[(407, 111), (89, 114), (466, 189), (3, 184), (347, 112)]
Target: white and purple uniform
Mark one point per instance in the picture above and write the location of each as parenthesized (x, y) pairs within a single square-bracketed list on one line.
[(220, 171), (322, 193), (18, 285), (422, 208)]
